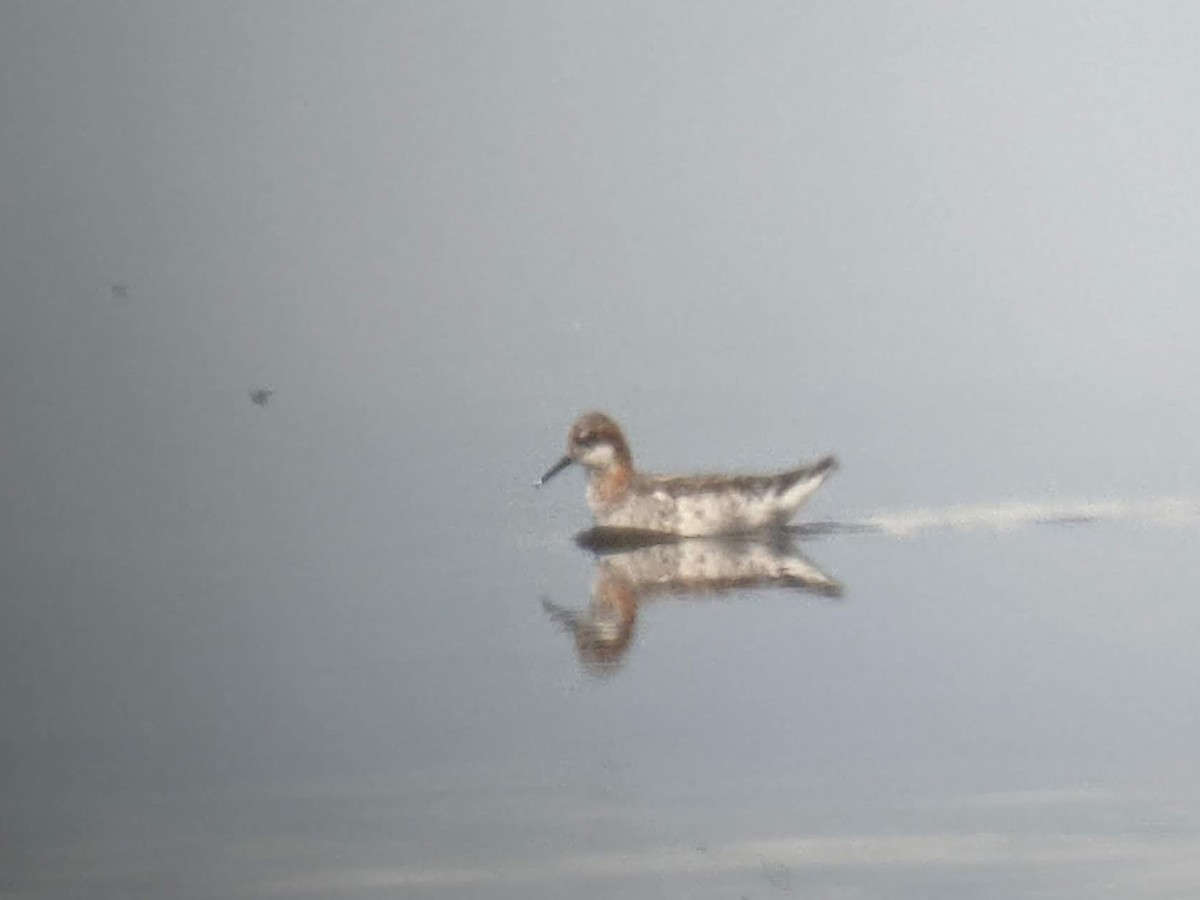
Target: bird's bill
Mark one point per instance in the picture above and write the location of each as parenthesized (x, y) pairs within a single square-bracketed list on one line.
[(553, 470)]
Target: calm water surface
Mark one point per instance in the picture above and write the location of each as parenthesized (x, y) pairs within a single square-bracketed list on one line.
[(341, 713)]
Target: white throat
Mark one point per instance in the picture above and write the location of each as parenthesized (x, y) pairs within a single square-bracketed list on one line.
[(598, 456)]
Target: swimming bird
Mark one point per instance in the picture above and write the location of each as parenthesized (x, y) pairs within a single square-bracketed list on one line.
[(688, 506)]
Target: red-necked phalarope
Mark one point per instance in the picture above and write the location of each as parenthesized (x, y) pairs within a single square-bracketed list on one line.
[(689, 506)]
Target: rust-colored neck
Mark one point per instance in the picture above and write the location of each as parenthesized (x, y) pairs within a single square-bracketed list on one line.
[(610, 484)]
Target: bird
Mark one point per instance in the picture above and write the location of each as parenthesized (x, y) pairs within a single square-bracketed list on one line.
[(621, 497)]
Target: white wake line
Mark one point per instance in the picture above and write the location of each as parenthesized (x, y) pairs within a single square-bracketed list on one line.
[(798, 853), (1008, 516)]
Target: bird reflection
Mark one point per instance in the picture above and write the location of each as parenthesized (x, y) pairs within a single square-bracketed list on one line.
[(632, 568)]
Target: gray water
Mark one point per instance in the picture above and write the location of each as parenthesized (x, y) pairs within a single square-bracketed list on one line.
[(303, 648)]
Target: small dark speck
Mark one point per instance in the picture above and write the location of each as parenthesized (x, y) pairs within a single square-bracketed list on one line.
[(119, 291), (261, 396)]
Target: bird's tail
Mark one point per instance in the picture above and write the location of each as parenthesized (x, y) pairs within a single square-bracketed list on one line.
[(821, 469), (799, 484)]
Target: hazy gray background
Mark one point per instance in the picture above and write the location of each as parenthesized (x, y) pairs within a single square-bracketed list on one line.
[(956, 243)]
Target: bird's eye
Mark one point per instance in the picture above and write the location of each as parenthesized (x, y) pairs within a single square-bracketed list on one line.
[(587, 438)]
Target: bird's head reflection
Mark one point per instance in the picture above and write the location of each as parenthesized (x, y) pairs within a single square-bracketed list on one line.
[(634, 568), (604, 630)]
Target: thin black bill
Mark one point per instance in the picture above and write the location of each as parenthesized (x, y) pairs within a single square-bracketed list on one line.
[(553, 470)]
